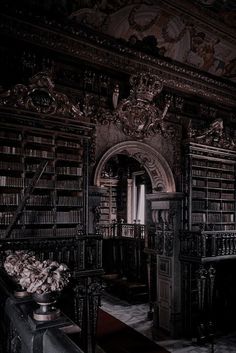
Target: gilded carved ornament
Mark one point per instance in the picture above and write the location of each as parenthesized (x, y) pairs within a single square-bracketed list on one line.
[(39, 96), (138, 115), (214, 135)]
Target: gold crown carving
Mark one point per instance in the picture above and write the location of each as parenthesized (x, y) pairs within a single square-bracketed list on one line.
[(145, 86)]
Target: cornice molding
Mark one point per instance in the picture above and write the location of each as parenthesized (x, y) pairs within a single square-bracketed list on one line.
[(109, 54)]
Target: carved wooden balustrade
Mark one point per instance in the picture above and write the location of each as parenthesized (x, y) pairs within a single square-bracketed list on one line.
[(160, 240), (208, 245), (120, 229)]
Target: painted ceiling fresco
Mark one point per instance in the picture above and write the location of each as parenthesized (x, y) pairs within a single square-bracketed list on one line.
[(201, 34)]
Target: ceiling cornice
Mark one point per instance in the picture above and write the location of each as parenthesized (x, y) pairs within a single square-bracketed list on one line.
[(108, 53)]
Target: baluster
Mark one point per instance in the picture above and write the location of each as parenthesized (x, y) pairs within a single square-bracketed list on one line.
[(202, 251), (221, 244), (234, 244), (224, 248), (213, 245), (218, 242), (231, 244)]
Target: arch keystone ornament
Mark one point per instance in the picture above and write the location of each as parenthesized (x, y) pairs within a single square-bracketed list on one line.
[(138, 115)]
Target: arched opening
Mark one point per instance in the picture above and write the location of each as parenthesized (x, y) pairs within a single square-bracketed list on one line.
[(154, 163), (125, 182), (126, 173)]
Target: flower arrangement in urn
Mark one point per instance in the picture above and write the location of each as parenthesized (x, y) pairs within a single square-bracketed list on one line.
[(42, 279), (14, 265), (36, 276)]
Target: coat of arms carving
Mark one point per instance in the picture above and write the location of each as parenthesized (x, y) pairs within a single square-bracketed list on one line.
[(138, 115)]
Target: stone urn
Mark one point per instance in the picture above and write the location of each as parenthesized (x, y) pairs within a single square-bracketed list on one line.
[(20, 293), (47, 310)]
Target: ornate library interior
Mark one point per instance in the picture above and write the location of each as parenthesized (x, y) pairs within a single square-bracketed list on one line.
[(118, 176)]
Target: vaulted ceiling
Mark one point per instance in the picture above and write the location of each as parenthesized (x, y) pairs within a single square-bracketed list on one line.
[(199, 33)]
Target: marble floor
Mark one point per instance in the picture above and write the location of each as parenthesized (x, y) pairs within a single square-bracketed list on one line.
[(136, 317)]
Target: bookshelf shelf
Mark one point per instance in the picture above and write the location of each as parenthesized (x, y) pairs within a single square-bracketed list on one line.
[(210, 189), (56, 205)]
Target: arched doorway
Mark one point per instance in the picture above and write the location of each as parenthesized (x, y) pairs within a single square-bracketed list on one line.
[(154, 163), (125, 241)]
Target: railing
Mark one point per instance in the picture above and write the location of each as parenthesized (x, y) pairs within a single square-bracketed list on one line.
[(208, 245), (120, 229), (21, 334), (160, 240)]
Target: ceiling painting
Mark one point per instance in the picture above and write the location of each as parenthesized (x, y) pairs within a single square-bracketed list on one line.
[(153, 26)]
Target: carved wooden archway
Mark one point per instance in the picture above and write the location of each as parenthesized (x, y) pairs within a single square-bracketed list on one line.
[(155, 164)]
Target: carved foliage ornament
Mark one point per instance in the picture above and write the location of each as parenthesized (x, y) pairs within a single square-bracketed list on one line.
[(39, 96), (214, 135), (138, 115)]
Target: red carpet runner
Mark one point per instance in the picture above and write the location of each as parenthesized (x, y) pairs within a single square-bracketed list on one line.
[(113, 336)]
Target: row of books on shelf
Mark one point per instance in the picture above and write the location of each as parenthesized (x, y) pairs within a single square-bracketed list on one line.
[(212, 164), (198, 204), (71, 144), (215, 227), (15, 135), (10, 134), (69, 170), (11, 166), (198, 217), (40, 200), (39, 153), (6, 181), (41, 232), (14, 199), (213, 205), (70, 157), (9, 199), (213, 194), (212, 184), (73, 216), (69, 184), (58, 184), (29, 217), (47, 200), (43, 217), (39, 139), (6, 218), (70, 200), (50, 141), (212, 174), (34, 166), (11, 181), (10, 150)]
